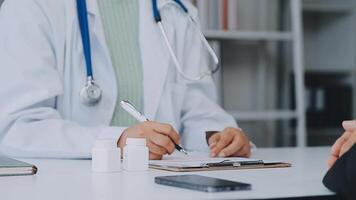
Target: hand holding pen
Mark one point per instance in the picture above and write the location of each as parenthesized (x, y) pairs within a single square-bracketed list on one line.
[(161, 138)]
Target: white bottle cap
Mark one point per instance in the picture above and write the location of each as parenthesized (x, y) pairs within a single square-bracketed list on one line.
[(136, 141), (105, 144)]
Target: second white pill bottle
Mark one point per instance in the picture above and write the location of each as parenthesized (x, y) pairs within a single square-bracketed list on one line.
[(136, 155)]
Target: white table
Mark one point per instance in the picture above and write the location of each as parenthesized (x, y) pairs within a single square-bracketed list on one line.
[(73, 179)]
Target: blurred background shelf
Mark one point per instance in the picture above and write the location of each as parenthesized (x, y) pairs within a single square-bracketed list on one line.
[(248, 35), (317, 7), (328, 6), (258, 78), (263, 115), (235, 36)]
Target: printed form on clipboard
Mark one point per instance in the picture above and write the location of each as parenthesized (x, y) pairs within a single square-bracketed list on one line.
[(198, 161)]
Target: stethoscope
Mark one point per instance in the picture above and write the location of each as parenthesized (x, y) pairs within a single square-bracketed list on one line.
[(91, 93)]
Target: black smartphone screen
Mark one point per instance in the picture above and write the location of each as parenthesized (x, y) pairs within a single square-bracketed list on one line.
[(202, 183)]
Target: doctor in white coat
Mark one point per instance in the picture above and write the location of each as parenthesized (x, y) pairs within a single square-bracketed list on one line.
[(42, 71)]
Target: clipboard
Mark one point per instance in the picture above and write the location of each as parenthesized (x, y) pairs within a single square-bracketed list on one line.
[(12, 167), (219, 165)]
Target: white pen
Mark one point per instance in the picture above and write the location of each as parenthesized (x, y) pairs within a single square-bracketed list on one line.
[(129, 108)]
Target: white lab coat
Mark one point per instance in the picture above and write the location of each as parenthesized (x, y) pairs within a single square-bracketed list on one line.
[(43, 70)]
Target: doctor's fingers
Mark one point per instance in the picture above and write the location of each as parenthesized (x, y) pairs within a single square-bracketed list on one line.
[(349, 125), (213, 140), (225, 140), (162, 141), (245, 152), (233, 147), (336, 148), (153, 148), (167, 130), (154, 156), (238, 147)]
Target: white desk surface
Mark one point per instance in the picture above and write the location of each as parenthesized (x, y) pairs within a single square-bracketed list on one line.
[(73, 179)]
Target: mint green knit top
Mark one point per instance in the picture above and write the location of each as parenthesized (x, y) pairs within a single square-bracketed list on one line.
[(121, 27)]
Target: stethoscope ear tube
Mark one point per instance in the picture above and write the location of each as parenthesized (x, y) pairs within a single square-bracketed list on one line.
[(174, 57), (185, 9), (171, 51), (157, 14), (155, 11), (158, 18), (176, 62), (207, 45)]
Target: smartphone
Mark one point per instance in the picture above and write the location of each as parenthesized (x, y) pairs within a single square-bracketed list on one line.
[(202, 183)]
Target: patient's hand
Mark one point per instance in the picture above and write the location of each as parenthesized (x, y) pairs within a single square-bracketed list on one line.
[(230, 142), (344, 143)]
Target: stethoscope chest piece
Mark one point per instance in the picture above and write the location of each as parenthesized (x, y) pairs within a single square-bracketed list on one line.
[(91, 94)]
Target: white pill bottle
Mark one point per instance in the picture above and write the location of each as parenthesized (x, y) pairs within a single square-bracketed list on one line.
[(135, 155), (106, 156)]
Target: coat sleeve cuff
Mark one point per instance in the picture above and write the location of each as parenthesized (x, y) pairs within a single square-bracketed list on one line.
[(113, 133)]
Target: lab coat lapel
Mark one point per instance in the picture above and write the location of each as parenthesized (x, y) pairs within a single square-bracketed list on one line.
[(155, 59), (98, 31), (100, 51)]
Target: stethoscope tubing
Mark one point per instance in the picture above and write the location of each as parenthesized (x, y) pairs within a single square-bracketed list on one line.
[(158, 19), (84, 29)]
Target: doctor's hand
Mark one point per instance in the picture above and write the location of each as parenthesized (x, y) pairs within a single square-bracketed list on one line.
[(159, 138), (229, 142), (344, 143)]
